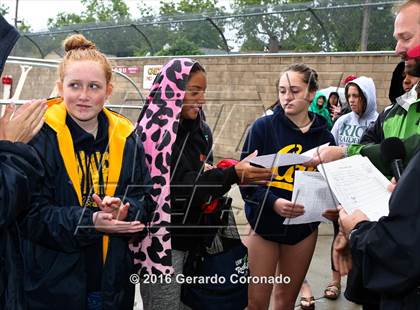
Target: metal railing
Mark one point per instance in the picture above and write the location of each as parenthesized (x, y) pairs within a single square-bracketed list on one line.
[(26, 64), (324, 25)]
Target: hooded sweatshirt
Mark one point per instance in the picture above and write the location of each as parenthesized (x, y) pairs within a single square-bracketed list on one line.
[(323, 111), (278, 134), (350, 127), (176, 151)]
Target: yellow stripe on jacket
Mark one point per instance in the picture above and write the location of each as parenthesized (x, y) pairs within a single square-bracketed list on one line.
[(119, 129)]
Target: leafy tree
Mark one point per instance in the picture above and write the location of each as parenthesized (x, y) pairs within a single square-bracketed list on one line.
[(181, 46), (311, 28), (260, 28), (346, 30), (4, 10), (172, 31), (22, 26), (95, 11)]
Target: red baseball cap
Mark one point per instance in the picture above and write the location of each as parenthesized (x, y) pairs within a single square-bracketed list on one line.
[(348, 79), (413, 52)]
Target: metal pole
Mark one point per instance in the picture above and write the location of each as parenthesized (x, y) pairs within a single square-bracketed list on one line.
[(365, 27), (16, 14)]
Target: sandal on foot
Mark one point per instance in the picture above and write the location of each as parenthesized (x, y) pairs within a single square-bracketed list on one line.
[(332, 291), (307, 303)]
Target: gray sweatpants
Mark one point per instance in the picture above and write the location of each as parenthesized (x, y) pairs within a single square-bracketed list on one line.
[(165, 296)]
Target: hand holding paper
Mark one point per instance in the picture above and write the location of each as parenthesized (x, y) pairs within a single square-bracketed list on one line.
[(311, 190), (358, 184), (288, 159)]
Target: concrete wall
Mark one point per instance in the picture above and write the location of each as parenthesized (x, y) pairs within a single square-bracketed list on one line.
[(240, 87)]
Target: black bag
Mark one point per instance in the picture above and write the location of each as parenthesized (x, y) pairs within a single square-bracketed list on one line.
[(222, 265)]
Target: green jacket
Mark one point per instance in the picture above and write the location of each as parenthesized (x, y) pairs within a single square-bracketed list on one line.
[(397, 123), (323, 111)]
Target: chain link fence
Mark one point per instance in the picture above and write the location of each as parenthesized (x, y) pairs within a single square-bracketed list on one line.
[(322, 25)]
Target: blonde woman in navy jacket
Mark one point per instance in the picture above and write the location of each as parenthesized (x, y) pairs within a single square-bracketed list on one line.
[(76, 243)]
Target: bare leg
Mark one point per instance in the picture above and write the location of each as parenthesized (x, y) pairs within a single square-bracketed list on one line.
[(263, 257), (336, 277), (307, 298), (333, 289), (306, 290), (293, 262)]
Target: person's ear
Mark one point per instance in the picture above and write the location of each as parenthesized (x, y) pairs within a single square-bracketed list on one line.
[(311, 96), (59, 85), (109, 89)]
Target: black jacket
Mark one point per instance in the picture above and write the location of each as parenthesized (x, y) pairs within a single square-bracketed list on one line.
[(60, 229), (191, 187), (8, 37), (386, 254), (20, 173)]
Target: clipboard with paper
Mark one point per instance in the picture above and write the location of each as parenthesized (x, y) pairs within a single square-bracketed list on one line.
[(358, 184), (354, 182)]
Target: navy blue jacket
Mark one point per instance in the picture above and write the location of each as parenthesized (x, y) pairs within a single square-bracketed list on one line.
[(277, 134), (59, 229), (20, 169), (20, 175), (8, 37)]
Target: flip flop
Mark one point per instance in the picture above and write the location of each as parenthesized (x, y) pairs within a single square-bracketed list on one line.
[(307, 303), (332, 291)]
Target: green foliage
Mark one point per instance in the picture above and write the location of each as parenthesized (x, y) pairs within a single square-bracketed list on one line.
[(95, 11), (65, 19), (23, 27), (252, 44), (180, 46), (335, 29), (202, 32), (188, 6), (320, 25), (4, 10)]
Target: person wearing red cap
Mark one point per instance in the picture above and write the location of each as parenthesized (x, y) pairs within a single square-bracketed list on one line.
[(348, 79)]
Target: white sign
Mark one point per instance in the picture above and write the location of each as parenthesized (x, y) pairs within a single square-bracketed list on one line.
[(127, 70), (149, 74)]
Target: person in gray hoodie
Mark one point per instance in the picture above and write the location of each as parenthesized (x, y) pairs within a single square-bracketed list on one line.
[(361, 97)]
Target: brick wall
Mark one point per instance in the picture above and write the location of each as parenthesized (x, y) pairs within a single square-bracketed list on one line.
[(240, 87)]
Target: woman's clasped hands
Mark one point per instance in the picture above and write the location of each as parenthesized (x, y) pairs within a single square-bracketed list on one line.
[(111, 218)]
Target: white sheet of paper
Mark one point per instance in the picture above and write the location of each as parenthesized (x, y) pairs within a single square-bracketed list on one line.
[(311, 190), (358, 184), (288, 159)]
